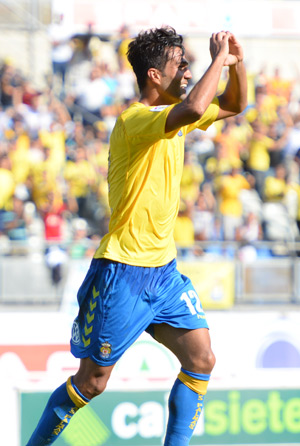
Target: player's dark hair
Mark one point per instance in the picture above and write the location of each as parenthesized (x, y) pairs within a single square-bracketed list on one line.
[(151, 49)]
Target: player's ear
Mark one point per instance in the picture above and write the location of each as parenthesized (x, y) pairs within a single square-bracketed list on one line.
[(154, 75)]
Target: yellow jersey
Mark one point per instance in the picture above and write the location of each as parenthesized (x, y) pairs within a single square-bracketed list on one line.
[(144, 174)]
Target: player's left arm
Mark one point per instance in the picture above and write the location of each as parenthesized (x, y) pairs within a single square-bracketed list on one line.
[(234, 98)]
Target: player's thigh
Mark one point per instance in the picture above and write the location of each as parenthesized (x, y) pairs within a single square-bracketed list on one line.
[(191, 347)]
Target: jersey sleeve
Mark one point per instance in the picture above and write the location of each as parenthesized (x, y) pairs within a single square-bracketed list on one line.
[(147, 124), (208, 117)]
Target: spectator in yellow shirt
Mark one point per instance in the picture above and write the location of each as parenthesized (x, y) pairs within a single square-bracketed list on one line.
[(81, 180), (276, 186), (7, 183), (184, 234), (230, 206), (192, 178), (258, 157)]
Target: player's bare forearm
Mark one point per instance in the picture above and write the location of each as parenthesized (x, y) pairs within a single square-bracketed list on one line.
[(234, 98)]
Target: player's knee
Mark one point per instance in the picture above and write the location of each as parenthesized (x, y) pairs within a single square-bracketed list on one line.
[(210, 360), (91, 379), (97, 386), (92, 388), (204, 362), (92, 385)]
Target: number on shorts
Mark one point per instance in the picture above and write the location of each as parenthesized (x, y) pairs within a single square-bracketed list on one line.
[(192, 301)]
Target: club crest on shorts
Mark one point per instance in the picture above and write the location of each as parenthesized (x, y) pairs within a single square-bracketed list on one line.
[(105, 350), (75, 333)]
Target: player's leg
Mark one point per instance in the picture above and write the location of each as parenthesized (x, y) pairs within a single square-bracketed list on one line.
[(89, 381), (113, 313), (193, 350), (191, 347)]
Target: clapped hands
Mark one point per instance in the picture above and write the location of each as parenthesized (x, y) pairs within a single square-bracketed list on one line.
[(224, 44)]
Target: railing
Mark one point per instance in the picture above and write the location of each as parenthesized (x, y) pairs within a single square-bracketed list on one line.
[(267, 274)]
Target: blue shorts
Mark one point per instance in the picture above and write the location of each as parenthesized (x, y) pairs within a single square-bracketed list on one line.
[(118, 302)]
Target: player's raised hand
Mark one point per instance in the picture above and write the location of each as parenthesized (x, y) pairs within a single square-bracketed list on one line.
[(236, 53), (225, 44), (218, 45)]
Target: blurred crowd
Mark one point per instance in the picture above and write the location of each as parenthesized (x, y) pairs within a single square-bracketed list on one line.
[(240, 180)]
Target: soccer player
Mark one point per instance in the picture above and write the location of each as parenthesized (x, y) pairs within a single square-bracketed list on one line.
[(133, 284)]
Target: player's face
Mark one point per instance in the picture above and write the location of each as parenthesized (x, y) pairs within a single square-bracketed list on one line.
[(175, 76)]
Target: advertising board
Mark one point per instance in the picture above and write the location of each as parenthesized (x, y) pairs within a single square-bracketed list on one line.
[(253, 397), (138, 418)]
